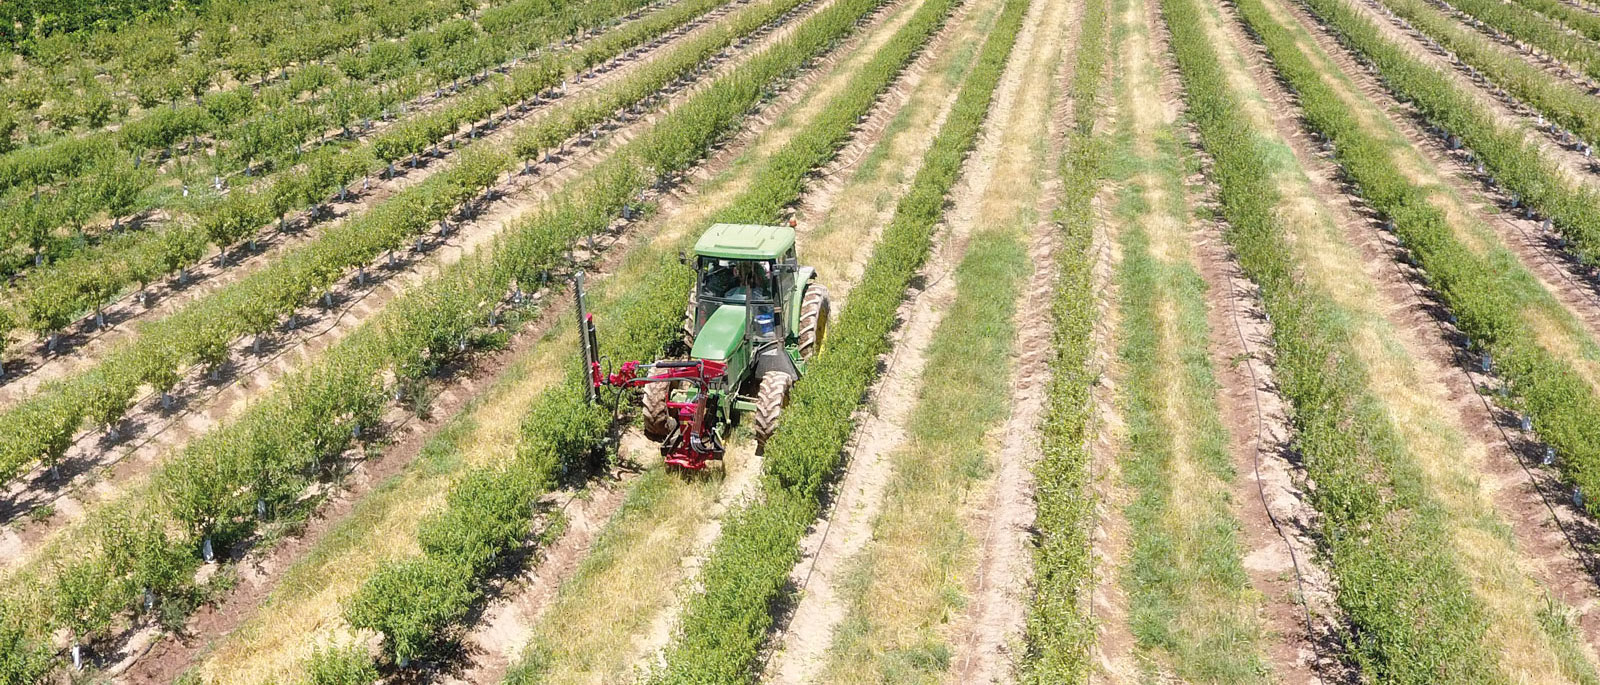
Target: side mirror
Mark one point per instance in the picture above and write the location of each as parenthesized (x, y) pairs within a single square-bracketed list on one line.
[(683, 258)]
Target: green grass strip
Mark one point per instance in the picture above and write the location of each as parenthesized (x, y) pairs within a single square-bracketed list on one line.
[(1507, 153), (52, 296), (725, 624), (1059, 630), (1413, 616), (1487, 292), (1191, 604)]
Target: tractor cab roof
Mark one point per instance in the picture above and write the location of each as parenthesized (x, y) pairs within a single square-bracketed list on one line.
[(745, 241)]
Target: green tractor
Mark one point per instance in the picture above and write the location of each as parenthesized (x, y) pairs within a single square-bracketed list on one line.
[(755, 318)]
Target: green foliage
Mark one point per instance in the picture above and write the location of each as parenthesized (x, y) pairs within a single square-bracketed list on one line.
[(725, 624), (24, 660), (268, 453), (340, 666), (1059, 630), (407, 602), (487, 513), (50, 17), (86, 593)]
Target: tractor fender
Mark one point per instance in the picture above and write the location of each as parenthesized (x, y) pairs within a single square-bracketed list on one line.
[(803, 277), (773, 357)]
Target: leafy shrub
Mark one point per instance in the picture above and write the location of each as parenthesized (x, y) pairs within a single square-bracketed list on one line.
[(23, 660), (340, 666), (408, 601)]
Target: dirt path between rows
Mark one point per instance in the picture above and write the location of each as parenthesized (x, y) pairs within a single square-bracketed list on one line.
[(1543, 527), (355, 131), (1108, 602), (173, 654), (805, 633), (993, 623), (1114, 644), (199, 401), (212, 402)]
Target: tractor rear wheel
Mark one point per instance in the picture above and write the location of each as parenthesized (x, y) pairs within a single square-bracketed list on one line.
[(815, 309), (657, 415), (770, 401)]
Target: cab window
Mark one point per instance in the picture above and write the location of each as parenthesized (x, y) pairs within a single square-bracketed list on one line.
[(736, 280)]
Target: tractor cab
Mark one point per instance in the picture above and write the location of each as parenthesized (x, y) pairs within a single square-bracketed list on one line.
[(745, 293)]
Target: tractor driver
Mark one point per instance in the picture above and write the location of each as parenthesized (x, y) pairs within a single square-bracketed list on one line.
[(738, 281)]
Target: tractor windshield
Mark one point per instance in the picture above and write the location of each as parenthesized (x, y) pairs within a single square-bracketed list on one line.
[(735, 281)]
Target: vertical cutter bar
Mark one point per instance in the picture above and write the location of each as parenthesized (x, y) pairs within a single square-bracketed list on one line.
[(586, 339)]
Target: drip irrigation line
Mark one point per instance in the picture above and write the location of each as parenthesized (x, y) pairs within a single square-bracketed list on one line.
[(1260, 441)]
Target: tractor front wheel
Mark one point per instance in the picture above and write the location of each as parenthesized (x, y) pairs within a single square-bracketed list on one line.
[(770, 401), (657, 415), (814, 311)]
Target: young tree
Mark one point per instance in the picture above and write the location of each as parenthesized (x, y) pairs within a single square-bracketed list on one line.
[(87, 596), (117, 186)]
